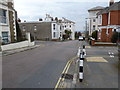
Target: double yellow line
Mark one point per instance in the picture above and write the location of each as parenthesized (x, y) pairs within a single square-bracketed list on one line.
[(65, 70)]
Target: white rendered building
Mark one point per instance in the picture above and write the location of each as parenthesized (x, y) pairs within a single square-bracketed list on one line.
[(7, 21)]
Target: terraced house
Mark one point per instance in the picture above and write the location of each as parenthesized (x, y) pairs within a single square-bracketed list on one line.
[(7, 21), (49, 28), (108, 21), (92, 20)]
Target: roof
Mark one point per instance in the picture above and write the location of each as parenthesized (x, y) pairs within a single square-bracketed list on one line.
[(105, 10), (96, 8), (115, 6), (66, 20)]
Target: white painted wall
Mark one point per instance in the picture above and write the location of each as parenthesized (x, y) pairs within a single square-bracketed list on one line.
[(17, 45), (92, 16), (6, 27)]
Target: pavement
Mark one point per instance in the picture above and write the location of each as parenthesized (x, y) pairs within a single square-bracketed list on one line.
[(100, 70), (13, 51)]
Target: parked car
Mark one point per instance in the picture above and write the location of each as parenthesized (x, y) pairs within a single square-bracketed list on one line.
[(81, 38)]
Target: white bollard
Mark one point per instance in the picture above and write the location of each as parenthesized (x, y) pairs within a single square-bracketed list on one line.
[(84, 52), (81, 67)]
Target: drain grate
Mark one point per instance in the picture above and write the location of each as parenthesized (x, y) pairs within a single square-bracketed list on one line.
[(67, 76)]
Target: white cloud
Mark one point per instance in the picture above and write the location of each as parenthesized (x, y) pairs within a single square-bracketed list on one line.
[(75, 10)]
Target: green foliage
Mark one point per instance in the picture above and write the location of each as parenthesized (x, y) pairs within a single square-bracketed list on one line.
[(95, 34), (77, 34), (115, 37), (67, 34)]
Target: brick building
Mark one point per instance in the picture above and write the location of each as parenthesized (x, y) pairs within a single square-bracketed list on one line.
[(108, 21)]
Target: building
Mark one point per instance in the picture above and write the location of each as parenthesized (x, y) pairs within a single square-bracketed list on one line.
[(108, 21), (48, 29), (92, 22), (7, 21)]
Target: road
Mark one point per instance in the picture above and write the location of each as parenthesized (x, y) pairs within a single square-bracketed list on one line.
[(38, 68), (41, 67), (100, 68)]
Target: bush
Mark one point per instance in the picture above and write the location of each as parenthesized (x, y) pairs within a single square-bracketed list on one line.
[(115, 37), (95, 34)]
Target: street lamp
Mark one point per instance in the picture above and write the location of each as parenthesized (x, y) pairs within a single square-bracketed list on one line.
[(35, 30)]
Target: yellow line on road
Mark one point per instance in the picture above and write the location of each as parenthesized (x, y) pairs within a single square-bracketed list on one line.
[(96, 59), (65, 70)]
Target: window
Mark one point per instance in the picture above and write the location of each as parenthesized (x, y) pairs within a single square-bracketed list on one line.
[(60, 34), (5, 37), (65, 26), (54, 26), (54, 34), (114, 30), (23, 27), (35, 27), (70, 25), (100, 19), (93, 20), (60, 28), (3, 18), (93, 27)]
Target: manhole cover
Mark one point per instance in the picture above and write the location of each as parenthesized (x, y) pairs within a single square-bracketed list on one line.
[(67, 76)]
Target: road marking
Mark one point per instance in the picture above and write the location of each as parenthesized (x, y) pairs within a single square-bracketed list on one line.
[(96, 59), (111, 54), (78, 54), (65, 70), (87, 46)]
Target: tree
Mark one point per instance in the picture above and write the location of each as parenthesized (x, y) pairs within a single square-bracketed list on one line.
[(115, 37), (95, 34), (77, 34), (67, 34), (19, 33)]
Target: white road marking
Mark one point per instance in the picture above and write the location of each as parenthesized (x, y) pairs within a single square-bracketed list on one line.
[(111, 54), (78, 54)]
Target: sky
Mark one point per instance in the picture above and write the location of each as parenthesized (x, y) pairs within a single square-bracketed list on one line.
[(75, 10)]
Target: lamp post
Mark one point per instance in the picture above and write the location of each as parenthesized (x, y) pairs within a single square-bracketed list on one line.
[(24, 32), (35, 30)]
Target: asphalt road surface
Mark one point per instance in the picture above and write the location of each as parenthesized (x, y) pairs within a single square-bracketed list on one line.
[(38, 68), (100, 68), (41, 67)]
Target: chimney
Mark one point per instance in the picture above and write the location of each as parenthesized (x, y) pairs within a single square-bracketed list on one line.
[(19, 20), (40, 19), (111, 2)]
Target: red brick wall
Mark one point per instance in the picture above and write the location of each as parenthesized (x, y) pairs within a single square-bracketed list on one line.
[(103, 35), (115, 17), (109, 35), (104, 19)]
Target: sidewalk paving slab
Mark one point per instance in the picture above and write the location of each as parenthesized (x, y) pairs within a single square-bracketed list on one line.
[(9, 52)]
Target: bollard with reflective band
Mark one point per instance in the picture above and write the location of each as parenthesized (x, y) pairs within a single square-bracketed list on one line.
[(83, 46), (81, 56), (81, 61)]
